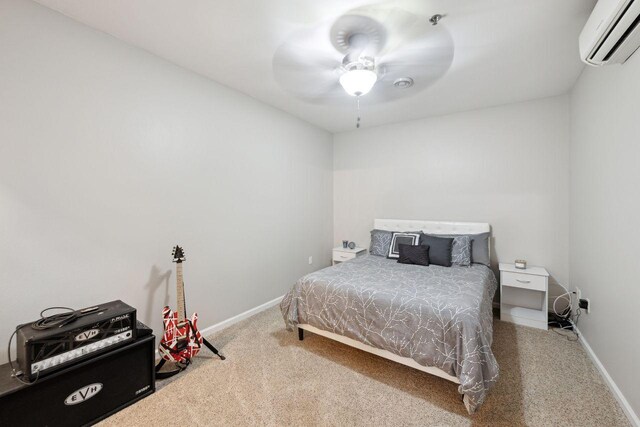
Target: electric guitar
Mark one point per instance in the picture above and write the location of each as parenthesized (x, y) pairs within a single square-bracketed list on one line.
[(181, 340)]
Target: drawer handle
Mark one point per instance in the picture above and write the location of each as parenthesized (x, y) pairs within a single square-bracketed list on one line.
[(523, 281)]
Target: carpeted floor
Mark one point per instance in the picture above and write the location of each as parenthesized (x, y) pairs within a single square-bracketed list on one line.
[(271, 378)]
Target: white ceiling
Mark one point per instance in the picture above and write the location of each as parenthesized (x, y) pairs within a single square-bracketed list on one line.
[(504, 50)]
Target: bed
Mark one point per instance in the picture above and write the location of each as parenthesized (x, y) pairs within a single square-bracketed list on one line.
[(435, 319)]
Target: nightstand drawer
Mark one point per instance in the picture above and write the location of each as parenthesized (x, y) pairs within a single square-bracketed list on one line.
[(525, 281), (343, 256)]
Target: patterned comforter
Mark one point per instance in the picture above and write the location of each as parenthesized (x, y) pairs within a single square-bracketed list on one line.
[(438, 316)]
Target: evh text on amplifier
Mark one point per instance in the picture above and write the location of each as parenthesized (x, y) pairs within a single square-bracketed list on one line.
[(96, 330)]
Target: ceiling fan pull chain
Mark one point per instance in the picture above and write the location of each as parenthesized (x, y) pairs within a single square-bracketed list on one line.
[(358, 106)]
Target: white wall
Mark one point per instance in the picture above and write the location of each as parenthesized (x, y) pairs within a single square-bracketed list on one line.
[(109, 156), (508, 166), (605, 209)]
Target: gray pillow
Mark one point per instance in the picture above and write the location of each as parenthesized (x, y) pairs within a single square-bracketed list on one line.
[(411, 254), (380, 242), (479, 246), (439, 249), (461, 251)]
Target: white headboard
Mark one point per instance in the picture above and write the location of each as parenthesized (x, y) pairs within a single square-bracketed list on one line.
[(432, 227)]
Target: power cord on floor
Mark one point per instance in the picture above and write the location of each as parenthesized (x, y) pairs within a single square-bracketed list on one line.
[(572, 328), (565, 316)]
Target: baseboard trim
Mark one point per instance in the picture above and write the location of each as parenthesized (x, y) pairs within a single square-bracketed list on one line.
[(626, 407), (239, 317)]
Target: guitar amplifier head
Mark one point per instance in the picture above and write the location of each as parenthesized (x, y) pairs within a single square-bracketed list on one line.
[(96, 330)]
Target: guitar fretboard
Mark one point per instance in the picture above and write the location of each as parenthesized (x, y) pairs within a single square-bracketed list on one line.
[(180, 293)]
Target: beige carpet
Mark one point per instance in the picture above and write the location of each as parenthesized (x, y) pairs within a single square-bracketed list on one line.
[(271, 378)]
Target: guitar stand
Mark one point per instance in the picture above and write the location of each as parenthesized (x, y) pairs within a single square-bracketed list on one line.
[(182, 366), (212, 348)]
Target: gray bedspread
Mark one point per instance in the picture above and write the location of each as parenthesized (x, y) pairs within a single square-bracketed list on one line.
[(438, 316)]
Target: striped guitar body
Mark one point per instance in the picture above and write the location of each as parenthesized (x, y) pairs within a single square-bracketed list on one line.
[(181, 340)]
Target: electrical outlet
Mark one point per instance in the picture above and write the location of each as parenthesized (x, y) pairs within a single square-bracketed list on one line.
[(310, 260), (585, 304)]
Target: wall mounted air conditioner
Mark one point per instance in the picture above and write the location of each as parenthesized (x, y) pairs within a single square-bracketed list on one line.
[(612, 32)]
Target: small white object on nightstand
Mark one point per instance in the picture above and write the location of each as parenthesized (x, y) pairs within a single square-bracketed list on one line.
[(344, 254), (524, 295)]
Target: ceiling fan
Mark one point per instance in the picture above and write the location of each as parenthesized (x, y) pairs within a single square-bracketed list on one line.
[(381, 51)]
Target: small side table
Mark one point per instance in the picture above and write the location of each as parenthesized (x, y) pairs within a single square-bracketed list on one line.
[(524, 295), (344, 254)]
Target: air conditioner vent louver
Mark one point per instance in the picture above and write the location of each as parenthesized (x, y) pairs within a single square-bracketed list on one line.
[(612, 33), (623, 39)]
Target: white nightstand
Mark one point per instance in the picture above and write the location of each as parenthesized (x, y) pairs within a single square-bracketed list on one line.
[(344, 254), (524, 295)]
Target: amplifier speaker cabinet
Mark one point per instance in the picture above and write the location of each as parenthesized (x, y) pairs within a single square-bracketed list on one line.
[(81, 394)]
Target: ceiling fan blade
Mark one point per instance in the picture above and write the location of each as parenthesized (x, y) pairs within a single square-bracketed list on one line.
[(313, 85), (423, 60), (400, 25), (434, 50), (307, 65)]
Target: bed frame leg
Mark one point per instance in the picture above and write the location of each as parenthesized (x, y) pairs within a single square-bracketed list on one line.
[(300, 334)]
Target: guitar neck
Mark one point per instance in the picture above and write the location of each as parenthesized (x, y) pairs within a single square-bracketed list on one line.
[(180, 293)]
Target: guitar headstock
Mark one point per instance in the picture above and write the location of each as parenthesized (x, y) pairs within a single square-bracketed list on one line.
[(178, 254)]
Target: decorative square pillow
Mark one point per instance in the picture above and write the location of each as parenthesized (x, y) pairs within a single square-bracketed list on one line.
[(397, 238), (439, 249), (380, 242), (409, 254), (461, 251)]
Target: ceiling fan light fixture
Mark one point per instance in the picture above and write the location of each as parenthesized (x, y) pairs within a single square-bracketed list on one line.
[(358, 82)]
